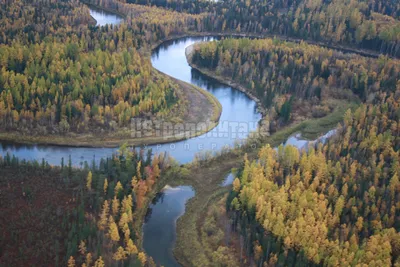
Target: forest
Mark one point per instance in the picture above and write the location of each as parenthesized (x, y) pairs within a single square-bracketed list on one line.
[(334, 203), (284, 74), (70, 76), (362, 24), (53, 81), (95, 212)]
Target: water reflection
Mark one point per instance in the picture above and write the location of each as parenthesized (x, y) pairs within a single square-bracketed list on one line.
[(228, 179), (159, 230)]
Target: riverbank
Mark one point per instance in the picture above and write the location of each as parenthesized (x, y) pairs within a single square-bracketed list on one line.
[(188, 53), (311, 130), (205, 178), (200, 107), (342, 48)]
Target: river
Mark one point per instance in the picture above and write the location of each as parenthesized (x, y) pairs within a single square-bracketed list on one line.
[(239, 117), (103, 17), (159, 230)]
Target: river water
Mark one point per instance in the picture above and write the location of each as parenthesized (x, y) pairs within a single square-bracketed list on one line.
[(239, 117), (159, 229), (102, 17)]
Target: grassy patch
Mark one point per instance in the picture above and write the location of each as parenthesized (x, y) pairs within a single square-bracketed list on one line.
[(313, 128)]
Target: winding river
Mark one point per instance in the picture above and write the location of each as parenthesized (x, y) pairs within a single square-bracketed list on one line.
[(237, 109), (239, 117)]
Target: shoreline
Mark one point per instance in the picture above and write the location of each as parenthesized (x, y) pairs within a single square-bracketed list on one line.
[(338, 47), (107, 141), (205, 194)]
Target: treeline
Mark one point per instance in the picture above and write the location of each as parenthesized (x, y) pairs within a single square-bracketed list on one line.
[(335, 204), (272, 69), (373, 25), (78, 77), (58, 86), (100, 226)]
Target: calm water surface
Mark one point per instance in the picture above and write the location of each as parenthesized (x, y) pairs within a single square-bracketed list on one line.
[(160, 223), (159, 229)]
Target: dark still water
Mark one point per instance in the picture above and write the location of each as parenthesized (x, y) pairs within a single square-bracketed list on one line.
[(160, 223)]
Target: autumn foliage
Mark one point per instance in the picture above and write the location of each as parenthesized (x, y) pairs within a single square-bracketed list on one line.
[(334, 204)]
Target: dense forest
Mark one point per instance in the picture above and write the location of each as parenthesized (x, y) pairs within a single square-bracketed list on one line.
[(93, 210), (371, 25), (113, 194), (76, 78), (150, 25), (284, 74), (335, 204), (34, 202), (332, 204)]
